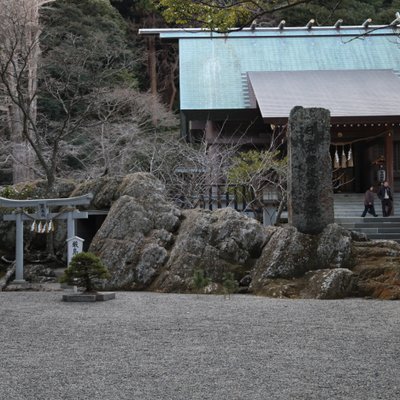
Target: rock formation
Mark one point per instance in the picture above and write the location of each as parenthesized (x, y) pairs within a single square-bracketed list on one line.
[(149, 244), (215, 242), (377, 269), (137, 232), (289, 253), (146, 242)]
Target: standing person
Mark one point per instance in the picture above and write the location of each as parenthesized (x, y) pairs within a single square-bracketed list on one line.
[(385, 195), (369, 202)]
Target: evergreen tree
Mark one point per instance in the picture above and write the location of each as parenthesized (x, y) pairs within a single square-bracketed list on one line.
[(83, 270)]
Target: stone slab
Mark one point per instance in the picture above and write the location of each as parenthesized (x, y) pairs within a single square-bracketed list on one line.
[(104, 296), (79, 298), (35, 287), (88, 297)]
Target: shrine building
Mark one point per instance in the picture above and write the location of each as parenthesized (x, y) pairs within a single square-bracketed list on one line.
[(242, 85)]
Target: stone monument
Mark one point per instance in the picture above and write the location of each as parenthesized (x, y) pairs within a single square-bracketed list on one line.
[(310, 192)]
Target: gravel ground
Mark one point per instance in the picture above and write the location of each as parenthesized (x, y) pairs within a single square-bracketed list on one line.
[(166, 346)]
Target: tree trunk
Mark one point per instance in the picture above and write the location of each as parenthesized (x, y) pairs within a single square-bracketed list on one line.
[(174, 67), (152, 69), (152, 59)]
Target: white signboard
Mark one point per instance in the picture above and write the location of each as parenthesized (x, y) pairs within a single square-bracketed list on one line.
[(75, 246)]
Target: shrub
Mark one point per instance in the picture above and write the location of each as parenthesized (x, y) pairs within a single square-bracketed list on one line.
[(229, 284), (199, 281)]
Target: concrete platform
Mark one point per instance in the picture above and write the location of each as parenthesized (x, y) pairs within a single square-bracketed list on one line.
[(104, 296)]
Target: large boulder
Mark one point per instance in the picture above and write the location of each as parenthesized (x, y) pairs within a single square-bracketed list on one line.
[(289, 254), (335, 264), (105, 191), (142, 186), (328, 284), (215, 242), (142, 246), (134, 240), (377, 269), (38, 189)]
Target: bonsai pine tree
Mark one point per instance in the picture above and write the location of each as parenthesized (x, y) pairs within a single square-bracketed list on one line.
[(83, 270)]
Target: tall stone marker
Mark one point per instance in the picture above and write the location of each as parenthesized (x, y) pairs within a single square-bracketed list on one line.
[(310, 197)]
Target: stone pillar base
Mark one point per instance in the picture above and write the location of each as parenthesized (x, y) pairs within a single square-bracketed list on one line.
[(19, 282)]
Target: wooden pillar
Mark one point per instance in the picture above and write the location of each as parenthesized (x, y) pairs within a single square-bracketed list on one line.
[(211, 132), (185, 131), (389, 157)]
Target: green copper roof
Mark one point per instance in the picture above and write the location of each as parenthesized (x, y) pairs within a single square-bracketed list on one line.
[(213, 68)]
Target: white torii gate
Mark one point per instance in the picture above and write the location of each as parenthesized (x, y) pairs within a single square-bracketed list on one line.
[(42, 213)]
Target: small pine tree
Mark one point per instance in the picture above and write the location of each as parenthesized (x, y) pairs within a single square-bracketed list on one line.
[(199, 281), (83, 269), (229, 284)]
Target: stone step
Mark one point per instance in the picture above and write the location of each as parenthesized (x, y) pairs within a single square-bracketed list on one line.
[(367, 223), (354, 214), (377, 230), (378, 225), (348, 209), (367, 219), (351, 206), (384, 236)]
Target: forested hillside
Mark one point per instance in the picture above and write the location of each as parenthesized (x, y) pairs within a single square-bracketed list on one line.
[(80, 99), (82, 95)]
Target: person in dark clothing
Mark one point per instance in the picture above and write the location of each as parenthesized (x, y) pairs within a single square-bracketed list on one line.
[(369, 202), (386, 197)]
